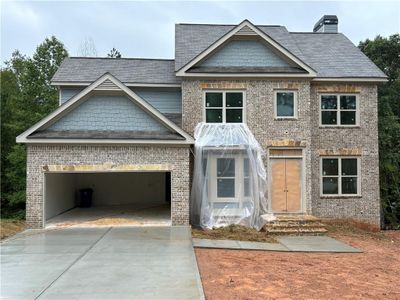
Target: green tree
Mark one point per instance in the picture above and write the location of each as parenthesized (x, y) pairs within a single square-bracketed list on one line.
[(385, 53), (26, 97), (114, 53)]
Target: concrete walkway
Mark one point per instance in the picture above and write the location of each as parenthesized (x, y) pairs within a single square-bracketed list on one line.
[(100, 263), (286, 244)]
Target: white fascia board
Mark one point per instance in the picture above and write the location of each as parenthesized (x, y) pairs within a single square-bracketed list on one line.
[(105, 141), (22, 138), (247, 75), (350, 79), (61, 109), (223, 39), (160, 85)]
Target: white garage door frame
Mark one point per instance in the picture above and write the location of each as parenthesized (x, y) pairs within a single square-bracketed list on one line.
[(100, 169)]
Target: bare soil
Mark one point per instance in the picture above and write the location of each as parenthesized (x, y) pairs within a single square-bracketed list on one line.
[(9, 227), (373, 274), (233, 232)]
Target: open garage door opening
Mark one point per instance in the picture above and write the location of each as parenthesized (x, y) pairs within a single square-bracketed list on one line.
[(107, 199)]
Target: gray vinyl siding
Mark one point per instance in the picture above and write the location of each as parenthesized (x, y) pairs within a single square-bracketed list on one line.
[(245, 54), (165, 100), (68, 93), (110, 113)]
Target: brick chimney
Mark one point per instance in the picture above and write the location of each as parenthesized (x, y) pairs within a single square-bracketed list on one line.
[(328, 23)]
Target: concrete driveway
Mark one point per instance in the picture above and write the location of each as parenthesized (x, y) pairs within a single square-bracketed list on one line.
[(101, 263)]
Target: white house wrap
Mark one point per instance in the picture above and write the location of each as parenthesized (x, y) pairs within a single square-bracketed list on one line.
[(229, 180)]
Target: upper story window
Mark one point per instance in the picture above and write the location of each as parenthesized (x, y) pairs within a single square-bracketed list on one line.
[(285, 103), (339, 110), (224, 107), (340, 176)]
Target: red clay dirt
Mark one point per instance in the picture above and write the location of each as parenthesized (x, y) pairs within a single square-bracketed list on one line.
[(373, 274)]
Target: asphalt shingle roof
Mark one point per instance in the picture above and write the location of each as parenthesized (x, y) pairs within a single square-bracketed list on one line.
[(192, 39), (127, 70), (334, 55), (329, 54)]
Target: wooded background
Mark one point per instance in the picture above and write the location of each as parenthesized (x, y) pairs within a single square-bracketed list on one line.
[(27, 97)]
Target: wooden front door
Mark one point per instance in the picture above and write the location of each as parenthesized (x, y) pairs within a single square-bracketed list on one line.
[(286, 186)]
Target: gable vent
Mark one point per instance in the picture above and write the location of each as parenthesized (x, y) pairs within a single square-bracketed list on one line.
[(246, 30), (107, 85)]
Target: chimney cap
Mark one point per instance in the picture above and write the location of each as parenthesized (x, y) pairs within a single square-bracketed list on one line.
[(326, 19)]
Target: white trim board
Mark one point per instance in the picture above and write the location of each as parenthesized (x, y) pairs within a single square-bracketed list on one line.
[(108, 141), (80, 97), (230, 34), (350, 79), (80, 83)]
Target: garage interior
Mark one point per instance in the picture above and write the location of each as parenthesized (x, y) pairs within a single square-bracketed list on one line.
[(118, 199)]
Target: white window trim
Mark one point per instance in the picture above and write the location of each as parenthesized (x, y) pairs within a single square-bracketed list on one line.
[(243, 108), (338, 110), (339, 176), (239, 180), (295, 106)]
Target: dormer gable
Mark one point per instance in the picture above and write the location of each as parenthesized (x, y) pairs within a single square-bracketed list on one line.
[(246, 51)]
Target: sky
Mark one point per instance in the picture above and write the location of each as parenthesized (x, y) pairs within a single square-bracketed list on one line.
[(146, 29)]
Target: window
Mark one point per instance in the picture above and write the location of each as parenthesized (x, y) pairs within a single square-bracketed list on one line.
[(225, 178), (224, 107), (229, 181), (285, 104), (339, 110), (340, 176)]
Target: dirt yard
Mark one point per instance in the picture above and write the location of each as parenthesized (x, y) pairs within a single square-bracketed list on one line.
[(9, 227), (374, 274)]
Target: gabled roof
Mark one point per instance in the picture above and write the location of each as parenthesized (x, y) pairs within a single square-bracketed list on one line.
[(331, 55), (246, 27), (127, 70), (111, 83)]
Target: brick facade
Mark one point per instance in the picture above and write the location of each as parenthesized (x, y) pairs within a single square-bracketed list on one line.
[(304, 132), (47, 158), (360, 141)]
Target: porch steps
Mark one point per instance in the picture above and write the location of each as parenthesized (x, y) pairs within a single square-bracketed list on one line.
[(295, 225)]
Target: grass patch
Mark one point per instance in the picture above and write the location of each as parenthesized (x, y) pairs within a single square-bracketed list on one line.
[(353, 228), (9, 227), (233, 232)]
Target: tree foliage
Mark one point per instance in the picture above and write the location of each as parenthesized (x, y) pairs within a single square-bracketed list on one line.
[(26, 97), (385, 53), (114, 53)]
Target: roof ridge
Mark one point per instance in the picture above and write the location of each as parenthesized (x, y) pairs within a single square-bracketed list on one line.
[(309, 32), (208, 24), (124, 58)]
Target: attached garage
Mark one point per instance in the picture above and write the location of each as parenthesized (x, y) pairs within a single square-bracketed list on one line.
[(118, 198), (108, 139)]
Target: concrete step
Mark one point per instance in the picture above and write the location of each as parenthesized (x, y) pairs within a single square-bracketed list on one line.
[(295, 225), (304, 225), (296, 231), (297, 218)]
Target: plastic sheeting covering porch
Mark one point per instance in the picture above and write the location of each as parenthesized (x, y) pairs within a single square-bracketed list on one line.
[(229, 181)]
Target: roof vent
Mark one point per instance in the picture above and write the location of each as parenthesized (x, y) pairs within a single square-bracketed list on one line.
[(246, 30), (328, 23)]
